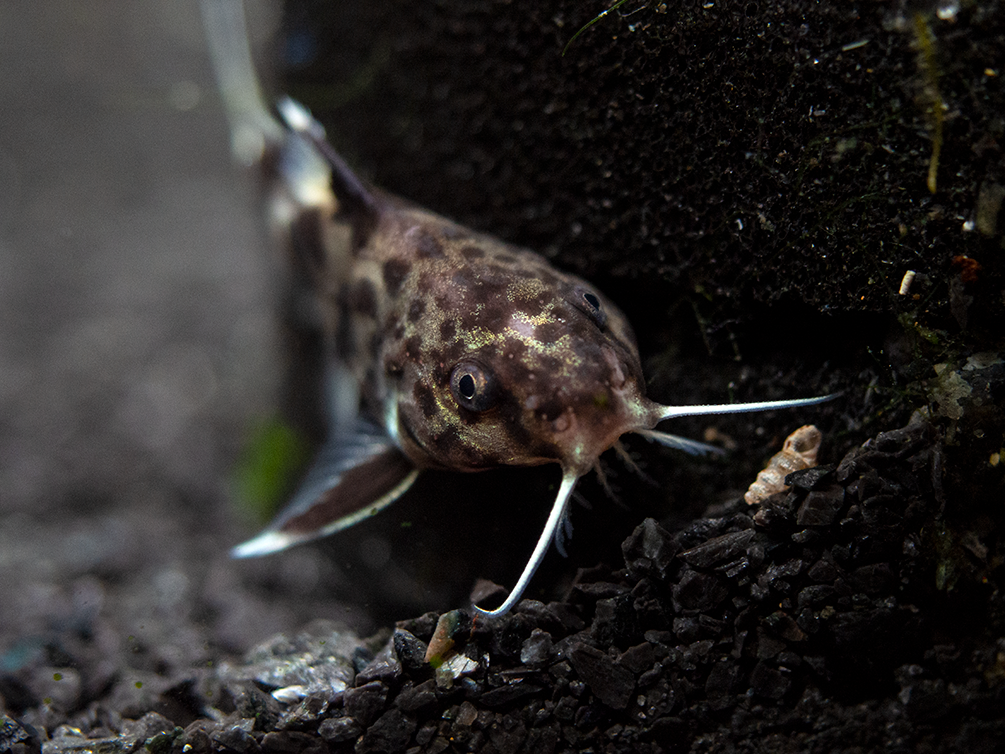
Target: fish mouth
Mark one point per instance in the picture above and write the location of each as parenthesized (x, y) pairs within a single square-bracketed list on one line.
[(582, 437)]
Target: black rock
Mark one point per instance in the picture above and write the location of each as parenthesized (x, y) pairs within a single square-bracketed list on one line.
[(418, 698), (385, 667), (769, 682), (252, 703), (648, 550), (410, 649), (719, 549), (821, 507), (638, 658), (699, 591), (389, 734), (236, 738), (18, 738), (611, 683), (421, 627), (503, 695), (290, 742), (811, 478), (722, 683), (366, 702), (339, 729), (536, 648)]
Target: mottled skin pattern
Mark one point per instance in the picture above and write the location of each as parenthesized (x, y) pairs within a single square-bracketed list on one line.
[(425, 295)]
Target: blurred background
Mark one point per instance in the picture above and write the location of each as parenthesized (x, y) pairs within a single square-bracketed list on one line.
[(137, 341)]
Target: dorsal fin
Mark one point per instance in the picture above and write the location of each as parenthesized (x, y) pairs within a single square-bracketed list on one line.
[(358, 202)]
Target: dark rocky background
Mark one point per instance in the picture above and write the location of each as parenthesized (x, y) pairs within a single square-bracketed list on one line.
[(750, 184)]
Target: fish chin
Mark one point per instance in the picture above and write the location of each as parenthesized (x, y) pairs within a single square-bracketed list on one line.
[(582, 434)]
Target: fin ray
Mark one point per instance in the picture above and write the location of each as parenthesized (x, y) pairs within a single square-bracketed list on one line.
[(355, 475)]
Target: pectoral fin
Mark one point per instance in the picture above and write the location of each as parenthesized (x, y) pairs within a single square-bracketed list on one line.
[(355, 475)]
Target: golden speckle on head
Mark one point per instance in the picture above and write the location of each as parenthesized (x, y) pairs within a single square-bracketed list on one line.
[(478, 337), (524, 289)]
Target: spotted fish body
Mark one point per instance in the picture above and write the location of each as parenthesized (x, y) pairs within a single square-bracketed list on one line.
[(451, 349)]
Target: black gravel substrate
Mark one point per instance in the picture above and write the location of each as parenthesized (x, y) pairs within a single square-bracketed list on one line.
[(819, 620)]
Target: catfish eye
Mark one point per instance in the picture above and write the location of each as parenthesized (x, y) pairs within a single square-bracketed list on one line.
[(588, 302), (473, 386)]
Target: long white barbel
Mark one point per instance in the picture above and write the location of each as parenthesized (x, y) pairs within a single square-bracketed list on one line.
[(544, 541)]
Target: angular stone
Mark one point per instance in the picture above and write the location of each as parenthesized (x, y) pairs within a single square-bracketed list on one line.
[(699, 591), (385, 667), (236, 738), (366, 702), (648, 550), (719, 549), (416, 698), (821, 507), (503, 695), (336, 730), (768, 682), (410, 649), (290, 742), (612, 684), (18, 738), (536, 648), (389, 734)]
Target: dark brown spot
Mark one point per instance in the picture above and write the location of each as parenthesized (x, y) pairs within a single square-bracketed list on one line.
[(536, 305), (413, 348), (514, 350), (395, 271), (464, 279), (393, 366), (305, 240), (450, 353), (496, 312), (551, 409), (428, 247), (416, 310), (550, 364), (395, 329), (522, 272), (472, 252), (512, 414), (447, 442), (425, 400), (362, 298), (548, 333), (468, 417), (441, 371), (448, 329)]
